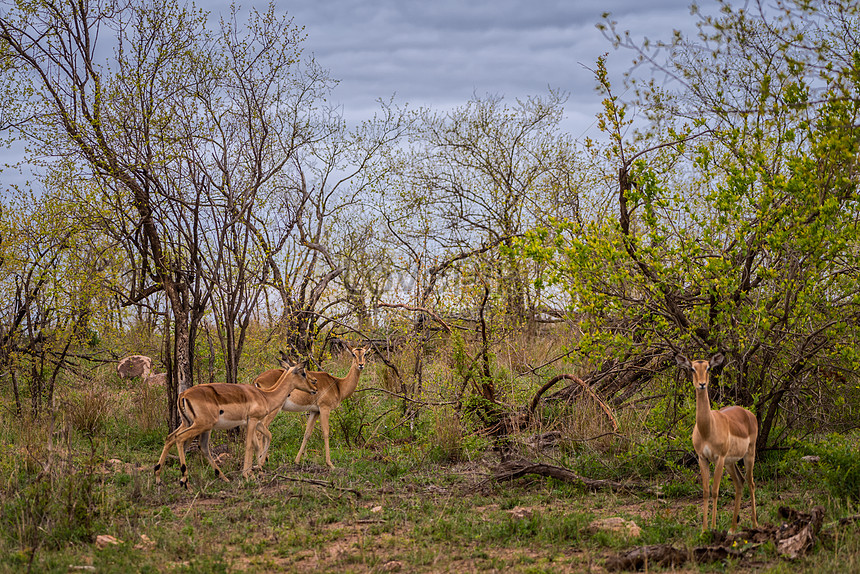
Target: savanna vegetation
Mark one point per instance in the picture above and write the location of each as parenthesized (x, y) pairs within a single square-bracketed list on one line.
[(525, 296)]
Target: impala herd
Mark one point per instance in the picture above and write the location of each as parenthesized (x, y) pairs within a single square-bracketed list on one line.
[(721, 437)]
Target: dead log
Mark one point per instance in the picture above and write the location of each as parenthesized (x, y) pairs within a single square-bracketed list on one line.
[(516, 468), (800, 535), (645, 557), (792, 539)]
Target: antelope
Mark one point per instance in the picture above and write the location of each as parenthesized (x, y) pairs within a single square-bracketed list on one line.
[(223, 406), (722, 437), (332, 391)]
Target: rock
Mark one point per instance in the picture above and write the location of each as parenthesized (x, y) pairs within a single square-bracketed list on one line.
[(105, 540), (158, 380), (617, 524), (134, 366), (519, 512), (146, 543)]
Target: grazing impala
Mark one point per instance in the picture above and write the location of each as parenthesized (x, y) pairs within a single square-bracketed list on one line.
[(722, 437), (332, 391), (224, 406)]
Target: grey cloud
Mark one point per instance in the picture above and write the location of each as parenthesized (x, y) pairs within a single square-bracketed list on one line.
[(439, 53)]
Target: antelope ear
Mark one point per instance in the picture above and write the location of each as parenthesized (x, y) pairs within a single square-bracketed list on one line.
[(683, 362), (286, 359), (301, 365), (716, 360), (368, 350)]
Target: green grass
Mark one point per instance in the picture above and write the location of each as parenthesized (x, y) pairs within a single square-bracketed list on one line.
[(423, 504)]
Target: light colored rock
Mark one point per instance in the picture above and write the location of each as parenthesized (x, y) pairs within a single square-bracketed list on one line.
[(134, 366), (617, 524), (158, 380), (105, 540), (519, 512), (146, 543)]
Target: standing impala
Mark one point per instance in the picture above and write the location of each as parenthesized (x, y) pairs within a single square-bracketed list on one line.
[(224, 406), (331, 393), (722, 437)]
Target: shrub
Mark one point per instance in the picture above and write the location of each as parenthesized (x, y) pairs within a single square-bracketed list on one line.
[(446, 437), (840, 465)]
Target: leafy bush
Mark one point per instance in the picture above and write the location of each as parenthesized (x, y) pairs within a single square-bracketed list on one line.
[(840, 465)]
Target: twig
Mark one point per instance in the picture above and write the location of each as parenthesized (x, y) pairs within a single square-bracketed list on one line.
[(315, 482), (190, 506), (582, 384), (517, 468), (413, 308), (405, 398), (641, 400)]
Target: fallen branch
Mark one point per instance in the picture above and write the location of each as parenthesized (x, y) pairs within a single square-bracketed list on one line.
[(517, 468), (645, 557), (848, 520), (315, 482), (551, 438), (405, 398), (791, 540), (413, 308)]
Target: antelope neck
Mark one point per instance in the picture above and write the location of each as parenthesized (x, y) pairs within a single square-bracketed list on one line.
[(350, 381), (703, 412), (281, 389)]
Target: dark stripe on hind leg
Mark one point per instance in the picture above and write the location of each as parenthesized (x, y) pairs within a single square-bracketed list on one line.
[(190, 409)]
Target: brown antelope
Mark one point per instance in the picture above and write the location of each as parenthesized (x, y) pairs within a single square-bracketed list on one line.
[(722, 437), (331, 392), (223, 406)]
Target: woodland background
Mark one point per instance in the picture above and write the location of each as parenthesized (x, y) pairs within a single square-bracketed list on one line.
[(203, 203)]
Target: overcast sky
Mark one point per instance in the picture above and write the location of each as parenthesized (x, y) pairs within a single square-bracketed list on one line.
[(439, 53)]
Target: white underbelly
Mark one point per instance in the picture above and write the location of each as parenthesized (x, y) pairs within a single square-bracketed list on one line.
[(292, 407), (736, 451), (226, 423)]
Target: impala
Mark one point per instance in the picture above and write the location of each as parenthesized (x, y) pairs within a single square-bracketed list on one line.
[(722, 437), (331, 392), (223, 406)]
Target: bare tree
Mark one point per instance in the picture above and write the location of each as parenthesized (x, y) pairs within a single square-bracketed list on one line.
[(154, 126)]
